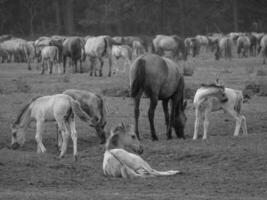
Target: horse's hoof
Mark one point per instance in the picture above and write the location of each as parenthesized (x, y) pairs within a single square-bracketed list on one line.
[(75, 158)]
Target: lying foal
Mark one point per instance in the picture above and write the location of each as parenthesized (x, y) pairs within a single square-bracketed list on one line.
[(120, 163)]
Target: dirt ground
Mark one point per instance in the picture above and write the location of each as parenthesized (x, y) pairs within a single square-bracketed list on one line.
[(223, 167)]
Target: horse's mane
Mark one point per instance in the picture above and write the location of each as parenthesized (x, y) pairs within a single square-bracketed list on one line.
[(214, 85), (18, 120)]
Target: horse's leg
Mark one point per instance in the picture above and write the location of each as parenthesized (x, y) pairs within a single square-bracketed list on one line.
[(206, 122), (101, 66), (81, 67), (116, 67), (38, 137), (75, 66), (64, 64), (151, 113), (59, 139), (244, 125), (91, 66), (65, 136), (137, 113), (110, 65), (238, 120), (50, 65), (167, 118), (197, 123), (73, 137), (43, 67)]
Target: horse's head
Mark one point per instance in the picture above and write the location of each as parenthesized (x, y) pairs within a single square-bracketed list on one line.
[(180, 120), (123, 136), (216, 90), (17, 136)]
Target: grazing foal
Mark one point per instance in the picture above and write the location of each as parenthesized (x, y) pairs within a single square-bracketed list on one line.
[(210, 98), (59, 108), (120, 163)]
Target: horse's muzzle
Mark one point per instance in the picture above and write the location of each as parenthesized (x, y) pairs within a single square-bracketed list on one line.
[(15, 145)]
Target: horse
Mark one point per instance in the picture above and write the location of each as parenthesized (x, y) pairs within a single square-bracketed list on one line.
[(203, 42), (60, 108), (213, 97), (173, 43), (94, 106), (96, 48), (50, 58), (118, 162), (263, 47), (253, 44), (243, 46), (18, 49), (73, 47), (160, 78), (192, 45), (124, 52), (224, 47)]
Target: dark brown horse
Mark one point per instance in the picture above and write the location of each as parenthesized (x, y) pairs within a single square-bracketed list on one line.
[(160, 78), (73, 47)]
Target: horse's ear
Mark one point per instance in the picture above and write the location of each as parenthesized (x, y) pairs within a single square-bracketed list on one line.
[(184, 105), (122, 125)]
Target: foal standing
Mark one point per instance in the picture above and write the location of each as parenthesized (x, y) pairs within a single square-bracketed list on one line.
[(211, 98)]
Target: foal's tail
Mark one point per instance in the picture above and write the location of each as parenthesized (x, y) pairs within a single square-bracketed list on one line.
[(138, 78), (165, 173), (76, 107)]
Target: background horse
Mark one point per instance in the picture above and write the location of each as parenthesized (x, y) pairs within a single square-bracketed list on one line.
[(59, 108), (73, 48), (124, 52), (118, 162), (224, 47), (50, 58), (93, 105), (243, 46), (97, 48), (203, 42), (192, 45), (211, 98), (160, 78), (173, 43), (263, 47)]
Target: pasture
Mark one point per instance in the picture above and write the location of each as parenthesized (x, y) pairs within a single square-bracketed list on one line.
[(223, 167)]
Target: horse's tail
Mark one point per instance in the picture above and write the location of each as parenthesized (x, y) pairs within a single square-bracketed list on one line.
[(139, 77), (238, 102), (228, 48), (106, 43), (76, 107)]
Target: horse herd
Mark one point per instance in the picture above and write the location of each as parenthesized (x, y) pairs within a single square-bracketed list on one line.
[(158, 75), (54, 50)]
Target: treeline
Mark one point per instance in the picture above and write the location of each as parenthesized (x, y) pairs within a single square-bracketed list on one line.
[(130, 17)]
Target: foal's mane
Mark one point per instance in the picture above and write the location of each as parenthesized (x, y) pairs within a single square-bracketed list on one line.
[(18, 120), (214, 85)]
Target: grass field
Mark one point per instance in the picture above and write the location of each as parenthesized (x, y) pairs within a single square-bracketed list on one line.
[(223, 167)]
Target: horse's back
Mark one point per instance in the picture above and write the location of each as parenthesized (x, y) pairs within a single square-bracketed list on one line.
[(166, 42), (162, 75), (72, 47), (47, 107)]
